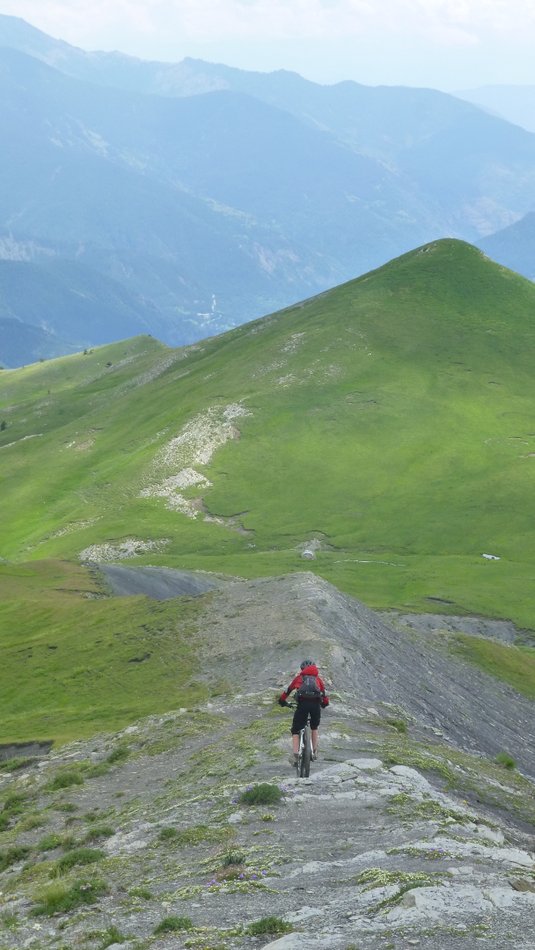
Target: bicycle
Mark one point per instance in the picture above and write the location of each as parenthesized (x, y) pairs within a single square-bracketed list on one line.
[(304, 754)]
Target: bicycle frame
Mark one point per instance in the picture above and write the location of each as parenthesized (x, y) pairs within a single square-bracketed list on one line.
[(304, 754)]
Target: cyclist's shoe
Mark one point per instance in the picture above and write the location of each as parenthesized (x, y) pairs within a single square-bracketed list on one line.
[(292, 759), (314, 755)]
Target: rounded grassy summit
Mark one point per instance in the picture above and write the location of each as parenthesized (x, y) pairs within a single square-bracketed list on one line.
[(385, 427)]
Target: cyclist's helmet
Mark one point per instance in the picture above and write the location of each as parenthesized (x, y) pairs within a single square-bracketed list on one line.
[(307, 663)]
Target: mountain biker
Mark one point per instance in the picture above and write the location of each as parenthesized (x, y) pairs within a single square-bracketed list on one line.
[(311, 698)]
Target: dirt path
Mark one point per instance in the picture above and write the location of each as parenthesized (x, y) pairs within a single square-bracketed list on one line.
[(365, 854), (254, 630), (407, 834)]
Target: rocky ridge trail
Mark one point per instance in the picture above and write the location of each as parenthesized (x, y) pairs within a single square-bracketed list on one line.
[(407, 833), (283, 619), (369, 852)]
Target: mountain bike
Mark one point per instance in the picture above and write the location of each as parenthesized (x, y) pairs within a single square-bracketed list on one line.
[(304, 754)]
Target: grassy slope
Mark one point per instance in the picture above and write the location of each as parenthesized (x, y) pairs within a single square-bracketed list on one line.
[(391, 417), (514, 665), (74, 664)]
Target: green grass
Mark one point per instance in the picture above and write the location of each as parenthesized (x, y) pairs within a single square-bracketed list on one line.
[(65, 778), (13, 807), (62, 897), (112, 936), (174, 925), (68, 667), (77, 857), (391, 418), (53, 840), (16, 763), (98, 832), (513, 665), (268, 925), (405, 440), (13, 855), (263, 794), (196, 834)]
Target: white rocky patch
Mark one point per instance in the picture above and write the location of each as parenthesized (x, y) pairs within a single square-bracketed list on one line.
[(269, 368), (121, 550), (153, 373), (13, 250), (80, 446), (195, 445), (293, 342), (95, 140), (37, 435), (73, 526)]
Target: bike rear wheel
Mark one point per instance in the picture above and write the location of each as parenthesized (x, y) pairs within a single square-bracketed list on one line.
[(306, 754)]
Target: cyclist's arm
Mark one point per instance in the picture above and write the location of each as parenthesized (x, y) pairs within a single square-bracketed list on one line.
[(324, 697), (293, 685)]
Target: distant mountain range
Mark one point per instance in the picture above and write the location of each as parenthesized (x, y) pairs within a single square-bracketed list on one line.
[(514, 246), (514, 103), (185, 199)]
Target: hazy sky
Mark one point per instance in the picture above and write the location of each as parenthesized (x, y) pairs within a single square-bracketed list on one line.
[(446, 44)]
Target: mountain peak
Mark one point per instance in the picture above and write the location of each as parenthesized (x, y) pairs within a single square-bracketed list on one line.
[(15, 30)]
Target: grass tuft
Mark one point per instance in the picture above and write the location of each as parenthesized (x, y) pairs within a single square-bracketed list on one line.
[(268, 925), (97, 832), (52, 841), (65, 779), (16, 764), (60, 898), (231, 858), (77, 857), (196, 834), (173, 924), (398, 724), (263, 794), (505, 760), (111, 937), (13, 856)]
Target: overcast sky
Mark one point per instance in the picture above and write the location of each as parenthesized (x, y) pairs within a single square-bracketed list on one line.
[(446, 44)]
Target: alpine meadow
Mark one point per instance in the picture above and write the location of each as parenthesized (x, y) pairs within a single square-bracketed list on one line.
[(384, 428)]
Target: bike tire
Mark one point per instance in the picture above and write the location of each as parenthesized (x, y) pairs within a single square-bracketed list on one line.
[(307, 754), (299, 761)]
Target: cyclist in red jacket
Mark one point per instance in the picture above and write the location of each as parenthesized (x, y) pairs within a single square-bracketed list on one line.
[(311, 698)]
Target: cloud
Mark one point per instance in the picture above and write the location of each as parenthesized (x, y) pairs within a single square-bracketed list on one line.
[(470, 20), (453, 42), (443, 21)]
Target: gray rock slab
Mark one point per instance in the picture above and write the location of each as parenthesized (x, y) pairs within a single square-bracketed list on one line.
[(159, 583)]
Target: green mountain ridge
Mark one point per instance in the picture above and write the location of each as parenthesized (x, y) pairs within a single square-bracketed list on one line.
[(386, 424)]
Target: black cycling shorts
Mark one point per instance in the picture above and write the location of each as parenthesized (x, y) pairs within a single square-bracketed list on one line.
[(301, 715)]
